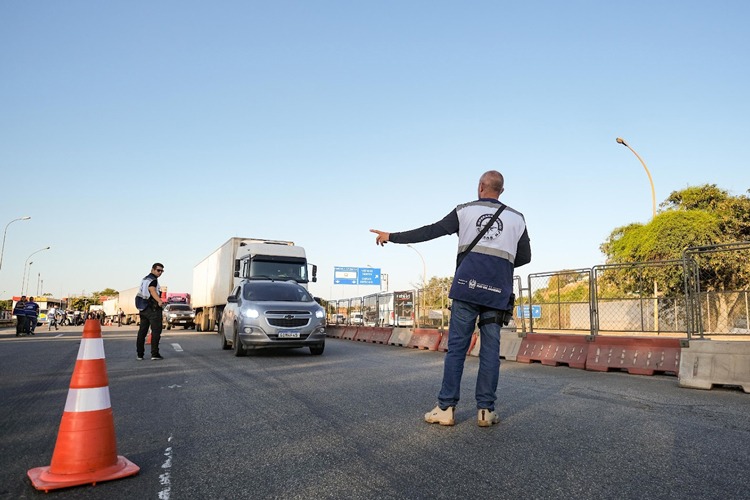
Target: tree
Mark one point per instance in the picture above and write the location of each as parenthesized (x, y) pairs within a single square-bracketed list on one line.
[(698, 216), (695, 216)]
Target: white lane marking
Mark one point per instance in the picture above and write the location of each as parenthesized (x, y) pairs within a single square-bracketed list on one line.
[(165, 479), (177, 347), (57, 336), (174, 386)]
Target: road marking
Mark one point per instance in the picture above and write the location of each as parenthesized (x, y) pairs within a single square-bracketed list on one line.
[(165, 478), (177, 347), (57, 336)]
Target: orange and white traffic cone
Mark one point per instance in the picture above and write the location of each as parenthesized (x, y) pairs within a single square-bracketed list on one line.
[(86, 449)]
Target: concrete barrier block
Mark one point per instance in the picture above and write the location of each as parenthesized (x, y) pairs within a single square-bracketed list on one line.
[(400, 337), (334, 331), (705, 363), (510, 343)]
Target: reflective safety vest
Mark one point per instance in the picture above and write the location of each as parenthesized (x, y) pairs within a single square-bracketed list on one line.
[(485, 275)]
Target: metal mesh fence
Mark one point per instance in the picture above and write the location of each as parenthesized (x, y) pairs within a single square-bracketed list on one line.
[(643, 297), (560, 300), (717, 286), (705, 293)]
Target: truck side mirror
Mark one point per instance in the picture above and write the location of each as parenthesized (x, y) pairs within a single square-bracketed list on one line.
[(232, 298), (314, 273)]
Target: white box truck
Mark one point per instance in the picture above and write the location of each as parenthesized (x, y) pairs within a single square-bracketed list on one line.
[(111, 308), (126, 302), (238, 259)]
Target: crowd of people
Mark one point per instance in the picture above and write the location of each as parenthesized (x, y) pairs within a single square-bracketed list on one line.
[(26, 312), (27, 316)]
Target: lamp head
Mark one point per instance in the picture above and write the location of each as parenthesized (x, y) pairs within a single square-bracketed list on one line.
[(621, 141)]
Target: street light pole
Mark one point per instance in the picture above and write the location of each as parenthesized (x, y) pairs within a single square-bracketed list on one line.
[(2, 251), (653, 215), (650, 180), (424, 281), (23, 283)]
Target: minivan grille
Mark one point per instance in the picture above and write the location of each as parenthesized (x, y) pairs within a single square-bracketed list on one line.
[(288, 323)]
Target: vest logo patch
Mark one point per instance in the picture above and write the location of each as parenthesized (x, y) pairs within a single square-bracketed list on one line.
[(492, 232), (472, 284)]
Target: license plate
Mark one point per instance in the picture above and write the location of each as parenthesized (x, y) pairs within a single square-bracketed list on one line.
[(288, 335)]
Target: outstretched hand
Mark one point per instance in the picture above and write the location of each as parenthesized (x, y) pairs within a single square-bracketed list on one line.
[(382, 237)]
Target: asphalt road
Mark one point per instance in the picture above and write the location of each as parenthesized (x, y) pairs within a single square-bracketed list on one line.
[(348, 424)]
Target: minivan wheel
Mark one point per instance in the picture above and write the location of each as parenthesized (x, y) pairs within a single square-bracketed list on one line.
[(317, 350), (224, 344), (239, 349)]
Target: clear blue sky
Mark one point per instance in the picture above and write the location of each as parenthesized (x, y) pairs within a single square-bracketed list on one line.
[(143, 131)]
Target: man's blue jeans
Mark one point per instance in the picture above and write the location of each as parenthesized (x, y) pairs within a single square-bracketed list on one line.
[(463, 321)]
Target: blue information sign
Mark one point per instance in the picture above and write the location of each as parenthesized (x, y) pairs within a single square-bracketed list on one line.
[(536, 312), (369, 276), (356, 276), (345, 275)]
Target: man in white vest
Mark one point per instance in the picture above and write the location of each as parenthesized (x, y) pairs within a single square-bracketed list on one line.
[(149, 303), (482, 289)]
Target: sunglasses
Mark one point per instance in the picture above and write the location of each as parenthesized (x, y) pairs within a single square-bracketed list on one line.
[(159, 270)]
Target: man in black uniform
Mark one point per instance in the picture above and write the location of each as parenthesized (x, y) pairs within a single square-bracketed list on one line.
[(149, 303)]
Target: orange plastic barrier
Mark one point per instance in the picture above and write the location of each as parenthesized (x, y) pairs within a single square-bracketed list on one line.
[(423, 338), (86, 449), (374, 334), (554, 350), (381, 335), (349, 333), (443, 346), (638, 356)]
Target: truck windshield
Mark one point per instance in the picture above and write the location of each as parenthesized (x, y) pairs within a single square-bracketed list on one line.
[(296, 271)]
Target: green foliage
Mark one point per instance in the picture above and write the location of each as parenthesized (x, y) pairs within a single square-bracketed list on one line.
[(696, 216), (82, 303), (566, 286), (436, 292), (706, 197), (107, 292)]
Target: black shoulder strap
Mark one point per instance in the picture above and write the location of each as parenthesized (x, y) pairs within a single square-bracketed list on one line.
[(485, 229)]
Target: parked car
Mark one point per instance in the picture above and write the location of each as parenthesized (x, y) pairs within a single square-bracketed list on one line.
[(356, 319), (178, 315), (266, 313)]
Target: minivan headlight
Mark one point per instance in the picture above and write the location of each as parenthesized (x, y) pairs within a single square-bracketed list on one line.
[(320, 313), (251, 313)]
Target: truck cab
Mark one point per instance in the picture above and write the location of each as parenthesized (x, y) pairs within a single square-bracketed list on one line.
[(277, 260)]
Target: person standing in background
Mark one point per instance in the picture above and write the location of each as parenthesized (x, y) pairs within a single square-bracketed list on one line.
[(149, 303)]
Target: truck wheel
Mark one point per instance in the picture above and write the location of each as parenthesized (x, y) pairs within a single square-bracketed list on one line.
[(239, 349), (224, 344), (317, 350)]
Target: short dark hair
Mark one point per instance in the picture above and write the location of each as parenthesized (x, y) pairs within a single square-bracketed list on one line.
[(157, 264)]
